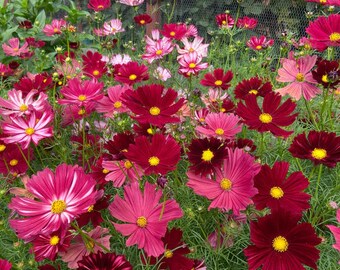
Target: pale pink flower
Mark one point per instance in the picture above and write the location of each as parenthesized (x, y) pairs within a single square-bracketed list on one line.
[(79, 248), (184, 111), (191, 63), (70, 69), (122, 171), (234, 184), (120, 59), (201, 114), (196, 45), (131, 2), (146, 218), (191, 31), (25, 130), (157, 49), (162, 74), (16, 105), (113, 27), (214, 95), (221, 126), (13, 47), (112, 103), (99, 32), (55, 28), (298, 74)]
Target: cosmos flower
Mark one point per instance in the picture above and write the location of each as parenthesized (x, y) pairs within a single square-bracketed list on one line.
[(145, 218), (260, 43), (13, 47), (55, 28), (196, 45), (162, 74), (320, 147), (336, 232), (190, 63), (113, 27), (271, 117), (60, 197), (246, 23), (153, 104), (233, 187), (98, 5), (5, 265), (224, 21), (277, 191), (104, 261), (157, 49), (280, 242), (142, 19), (325, 32), (131, 73), (12, 159), (327, 73), (253, 86), (161, 155), (40, 82), (131, 2), (93, 66), (174, 30), (298, 74), (218, 79)]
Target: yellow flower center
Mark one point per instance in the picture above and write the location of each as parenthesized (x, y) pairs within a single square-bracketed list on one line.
[(172, 33), (159, 52), (13, 162), (105, 171), (90, 209), (191, 50), (258, 47), (207, 155), (128, 164), (325, 78), (142, 21), (226, 184), (95, 72), (54, 240), (299, 77), (81, 111), (23, 108), (334, 37), (154, 111), (100, 7), (142, 222), (280, 244), (29, 131), (323, 1), (224, 22), (253, 91), (276, 192), (117, 104), (319, 153), (2, 147), (153, 161), (58, 207), (149, 131), (55, 30), (89, 245), (132, 77), (192, 65), (81, 97), (218, 82), (219, 131), (265, 118), (168, 254)]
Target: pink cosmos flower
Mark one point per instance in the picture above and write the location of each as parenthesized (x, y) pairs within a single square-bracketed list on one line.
[(60, 197), (113, 27), (336, 232), (13, 49), (5, 265), (246, 23), (79, 93), (260, 43), (298, 74), (157, 49), (78, 248), (5, 70), (99, 5), (55, 28), (191, 63), (196, 45), (20, 130), (117, 59), (112, 103), (16, 105), (234, 185), (220, 125), (162, 74), (131, 2), (145, 218)]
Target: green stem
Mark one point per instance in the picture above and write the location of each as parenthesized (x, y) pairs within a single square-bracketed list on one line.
[(26, 160), (316, 194), (311, 115)]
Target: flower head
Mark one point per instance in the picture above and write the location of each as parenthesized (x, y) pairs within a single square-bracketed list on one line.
[(131, 73), (113, 102), (336, 232), (246, 23), (224, 21), (98, 5), (113, 27), (104, 261), (142, 19), (253, 86), (132, 3), (190, 63), (13, 47), (55, 28), (218, 79), (174, 30), (260, 43), (327, 73)]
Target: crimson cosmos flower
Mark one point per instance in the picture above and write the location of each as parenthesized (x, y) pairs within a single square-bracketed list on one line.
[(270, 117), (174, 30), (131, 73), (218, 79), (93, 66), (327, 73), (98, 5), (142, 19), (224, 20), (104, 261), (253, 86)]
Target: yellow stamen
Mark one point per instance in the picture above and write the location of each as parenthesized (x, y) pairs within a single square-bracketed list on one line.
[(54, 240), (219, 131), (90, 209), (23, 108), (142, 222), (334, 37), (154, 111), (159, 52), (172, 33), (95, 72), (142, 21), (265, 118), (29, 131), (218, 82), (299, 77), (325, 78), (81, 97), (117, 104), (2, 147), (280, 244), (132, 77), (128, 164), (58, 207), (319, 153), (226, 184), (168, 254), (207, 155), (105, 171), (153, 161), (258, 47), (13, 162), (276, 192), (253, 91), (192, 65)]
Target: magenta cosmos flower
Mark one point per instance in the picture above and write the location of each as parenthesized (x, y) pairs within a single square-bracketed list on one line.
[(5, 265), (99, 5), (153, 104), (336, 232), (131, 2), (298, 74), (60, 197), (259, 44), (146, 218), (13, 47), (233, 187), (113, 27), (20, 130), (190, 63), (325, 32), (220, 125), (55, 28), (104, 261)]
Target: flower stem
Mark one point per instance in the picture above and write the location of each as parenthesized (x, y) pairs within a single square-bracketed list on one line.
[(311, 115)]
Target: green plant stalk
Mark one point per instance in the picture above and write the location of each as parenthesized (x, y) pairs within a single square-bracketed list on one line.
[(26, 160), (311, 115)]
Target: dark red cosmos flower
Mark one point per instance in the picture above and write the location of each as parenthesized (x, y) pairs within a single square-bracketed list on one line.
[(277, 192), (41, 82), (147, 129), (32, 42), (218, 79), (26, 24), (143, 19), (98, 173), (98, 5), (175, 251), (119, 144), (280, 242), (246, 23), (253, 86), (321, 147), (93, 66), (161, 155), (153, 104), (131, 73), (224, 20), (205, 155), (104, 261), (246, 144), (327, 73), (174, 30), (272, 115)]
